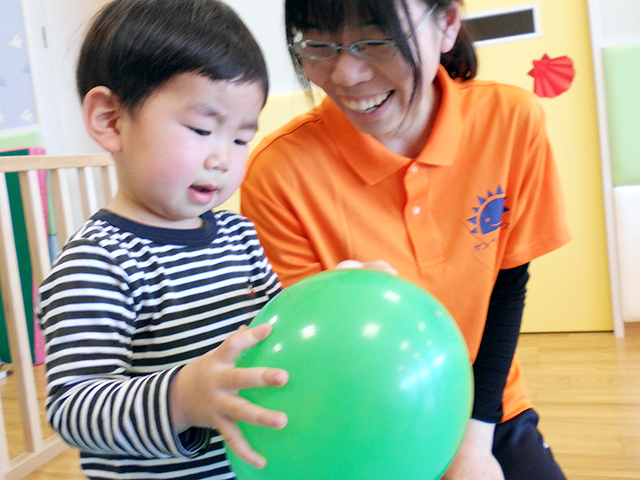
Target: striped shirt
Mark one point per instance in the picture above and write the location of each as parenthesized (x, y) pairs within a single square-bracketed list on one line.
[(123, 308)]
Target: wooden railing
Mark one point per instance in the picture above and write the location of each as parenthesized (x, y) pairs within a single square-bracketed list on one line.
[(79, 186)]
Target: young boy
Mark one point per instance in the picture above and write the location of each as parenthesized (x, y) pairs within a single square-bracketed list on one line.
[(139, 308)]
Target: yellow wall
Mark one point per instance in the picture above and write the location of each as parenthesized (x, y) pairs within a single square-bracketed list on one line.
[(569, 288), (280, 108)]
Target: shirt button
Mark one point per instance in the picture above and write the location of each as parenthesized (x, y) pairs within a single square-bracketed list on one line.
[(414, 169), (417, 209)]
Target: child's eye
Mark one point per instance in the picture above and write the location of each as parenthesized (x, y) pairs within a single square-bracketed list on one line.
[(240, 142), (200, 131)]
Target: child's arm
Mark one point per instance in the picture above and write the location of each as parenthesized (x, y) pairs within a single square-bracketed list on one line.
[(98, 402), (109, 393), (204, 392)]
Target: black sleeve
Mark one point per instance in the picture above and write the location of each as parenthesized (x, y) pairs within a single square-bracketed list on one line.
[(499, 342)]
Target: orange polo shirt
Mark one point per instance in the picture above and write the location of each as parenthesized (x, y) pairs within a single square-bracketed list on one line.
[(483, 195)]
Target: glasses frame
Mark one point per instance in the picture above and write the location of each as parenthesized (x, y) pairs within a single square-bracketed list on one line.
[(352, 48)]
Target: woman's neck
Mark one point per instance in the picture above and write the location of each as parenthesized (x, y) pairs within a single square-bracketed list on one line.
[(415, 130)]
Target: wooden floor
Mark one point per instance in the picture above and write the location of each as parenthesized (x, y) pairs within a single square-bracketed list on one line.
[(586, 387)]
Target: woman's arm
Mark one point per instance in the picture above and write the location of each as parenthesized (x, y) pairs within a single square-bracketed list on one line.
[(499, 342), (475, 459), (285, 242)]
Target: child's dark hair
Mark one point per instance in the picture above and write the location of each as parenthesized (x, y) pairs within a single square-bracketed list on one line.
[(135, 46), (331, 15)]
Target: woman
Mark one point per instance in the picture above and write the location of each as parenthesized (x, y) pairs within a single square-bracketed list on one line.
[(450, 181)]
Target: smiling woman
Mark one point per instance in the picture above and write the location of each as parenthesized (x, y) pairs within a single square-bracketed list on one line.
[(409, 160), (381, 106)]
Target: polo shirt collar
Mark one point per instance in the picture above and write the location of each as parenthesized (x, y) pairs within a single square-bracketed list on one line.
[(373, 162)]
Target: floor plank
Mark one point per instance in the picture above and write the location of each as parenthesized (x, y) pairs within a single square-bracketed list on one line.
[(586, 387)]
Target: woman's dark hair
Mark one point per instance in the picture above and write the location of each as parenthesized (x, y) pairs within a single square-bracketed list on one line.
[(331, 15), (135, 46)]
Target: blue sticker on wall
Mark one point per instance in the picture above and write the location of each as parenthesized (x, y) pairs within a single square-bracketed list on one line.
[(17, 103)]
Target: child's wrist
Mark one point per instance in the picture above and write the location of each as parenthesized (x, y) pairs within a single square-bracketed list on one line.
[(179, 418)]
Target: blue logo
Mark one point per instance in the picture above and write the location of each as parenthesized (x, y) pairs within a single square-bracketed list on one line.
[(488, 213)]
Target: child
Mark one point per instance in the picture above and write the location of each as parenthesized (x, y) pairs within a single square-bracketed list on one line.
[(139, 308)]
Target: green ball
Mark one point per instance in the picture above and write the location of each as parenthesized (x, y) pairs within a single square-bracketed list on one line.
[(380, 381)]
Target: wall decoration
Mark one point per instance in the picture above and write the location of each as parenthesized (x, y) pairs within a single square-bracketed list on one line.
[(17, 104), (501, 25), (552, 76)]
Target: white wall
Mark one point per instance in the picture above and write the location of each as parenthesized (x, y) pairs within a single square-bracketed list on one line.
[(54, 31), (612, 22), (620, 21), (63, 23), (265, 19)]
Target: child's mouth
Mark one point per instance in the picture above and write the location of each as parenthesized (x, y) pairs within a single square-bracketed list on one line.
[(203, 194), (202, 188)]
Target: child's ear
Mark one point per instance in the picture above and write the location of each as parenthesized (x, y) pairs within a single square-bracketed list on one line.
[(101, 110), (451, 23)]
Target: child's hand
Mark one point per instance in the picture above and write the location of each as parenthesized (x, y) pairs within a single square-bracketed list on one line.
[(204, 393), (378, 265)]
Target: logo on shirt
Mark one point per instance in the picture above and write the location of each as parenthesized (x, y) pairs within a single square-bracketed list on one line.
[(487, 217)]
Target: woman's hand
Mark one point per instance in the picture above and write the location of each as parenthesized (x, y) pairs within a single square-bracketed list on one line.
[(378, 265), (475, 460), (204, 393)]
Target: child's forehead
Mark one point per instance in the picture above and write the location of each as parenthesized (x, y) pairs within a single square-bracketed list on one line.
[(224, 99), (198, 87)]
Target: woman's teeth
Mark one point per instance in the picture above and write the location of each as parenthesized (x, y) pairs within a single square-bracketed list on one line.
[(366, 106)]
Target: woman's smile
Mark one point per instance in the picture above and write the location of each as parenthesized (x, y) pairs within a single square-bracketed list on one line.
[(367, 105)]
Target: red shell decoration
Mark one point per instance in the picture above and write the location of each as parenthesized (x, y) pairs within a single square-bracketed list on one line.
[(552, 76)]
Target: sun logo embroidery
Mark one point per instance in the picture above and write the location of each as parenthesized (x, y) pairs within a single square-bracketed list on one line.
[(488, 216)]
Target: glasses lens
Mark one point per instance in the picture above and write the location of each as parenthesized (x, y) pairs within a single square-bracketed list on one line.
[(374, 49), (364, 49), (317, 49)]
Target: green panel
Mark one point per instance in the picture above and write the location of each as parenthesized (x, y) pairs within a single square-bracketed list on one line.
[(20, 140), (24, 259), (622, 78)]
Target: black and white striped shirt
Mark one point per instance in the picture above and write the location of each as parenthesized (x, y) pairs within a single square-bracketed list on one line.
[(124, 307)]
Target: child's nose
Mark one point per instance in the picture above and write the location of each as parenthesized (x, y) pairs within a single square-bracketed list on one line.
[(218, 161)]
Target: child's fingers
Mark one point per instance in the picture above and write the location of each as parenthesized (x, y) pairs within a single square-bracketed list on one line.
[(242, 339), (240, 378), (236, 442), (237, 408)]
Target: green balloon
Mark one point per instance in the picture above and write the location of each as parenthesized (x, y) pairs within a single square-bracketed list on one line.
[(380, 382)]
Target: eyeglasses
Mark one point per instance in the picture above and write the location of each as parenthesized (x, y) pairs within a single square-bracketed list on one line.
[(371, 50)]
